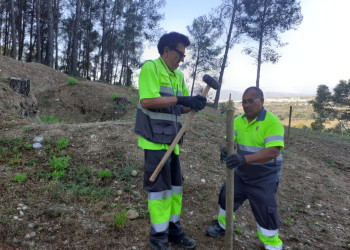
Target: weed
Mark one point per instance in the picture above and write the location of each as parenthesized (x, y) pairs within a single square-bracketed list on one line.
[(238, 229), (4, 151), (72, 81), (115, 96), (28, 146), (104, 173), (288, 222), (50, 118), (25, 129), (15, 149), (20, 177), (62, 143), (47, 139), (200, 197), (59, 164), (120, 219)]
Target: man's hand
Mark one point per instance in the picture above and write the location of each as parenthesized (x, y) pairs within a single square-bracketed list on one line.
[(223, 154), (234, 161), (194, 102)]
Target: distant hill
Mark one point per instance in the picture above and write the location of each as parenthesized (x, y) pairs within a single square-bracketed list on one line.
[(237, 95)]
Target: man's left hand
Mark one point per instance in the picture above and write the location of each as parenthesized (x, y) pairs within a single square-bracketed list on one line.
[(234, 161)]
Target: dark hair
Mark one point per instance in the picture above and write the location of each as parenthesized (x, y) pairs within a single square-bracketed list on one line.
[(257, 91), (171, 40)]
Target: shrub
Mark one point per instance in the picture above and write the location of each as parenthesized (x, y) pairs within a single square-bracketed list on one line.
[(59, 164), (72, 81), (50, 118), (104, 173), (62, 143), (120, 219), (20, 177), (115, 96), (317, 125)]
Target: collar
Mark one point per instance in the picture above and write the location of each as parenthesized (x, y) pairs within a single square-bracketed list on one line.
[(261, 116), (166, 67)]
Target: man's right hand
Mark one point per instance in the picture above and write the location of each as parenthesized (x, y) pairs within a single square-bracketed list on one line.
[(194, 102)]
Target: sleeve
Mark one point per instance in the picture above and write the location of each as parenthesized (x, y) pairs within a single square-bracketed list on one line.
[(148, 81), (274, 136)]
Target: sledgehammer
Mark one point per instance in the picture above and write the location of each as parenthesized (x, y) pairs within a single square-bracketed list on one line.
[(211, 83)]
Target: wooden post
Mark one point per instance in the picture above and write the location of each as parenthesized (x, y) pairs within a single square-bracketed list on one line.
[(229, 179), (290, 120)]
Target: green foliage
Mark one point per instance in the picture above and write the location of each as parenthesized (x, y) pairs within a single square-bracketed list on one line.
[(50, 118), (59, 164), (288, 222), (115, 96), (62, 143), (25, 129), (20, 177), (120, 219), (28, 146), (317, 125), (104, 173), (334, 106), (72, 81)]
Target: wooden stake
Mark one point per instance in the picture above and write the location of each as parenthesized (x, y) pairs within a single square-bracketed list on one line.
[(290, 120), (229, 179)]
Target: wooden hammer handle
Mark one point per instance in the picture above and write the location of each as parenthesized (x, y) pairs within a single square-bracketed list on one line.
[(177, 139)]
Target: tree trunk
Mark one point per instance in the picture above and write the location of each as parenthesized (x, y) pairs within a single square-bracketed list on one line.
[(76, 32), (13, 31), (38, 30), (57, 16), (223, 66), (103, 45), (22, 23), (30, 57), (50, 34), (195, 71), (261, 40)]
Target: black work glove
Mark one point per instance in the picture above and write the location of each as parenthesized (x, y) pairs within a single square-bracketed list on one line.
[(223, 154), (194, 102), (234, 161)]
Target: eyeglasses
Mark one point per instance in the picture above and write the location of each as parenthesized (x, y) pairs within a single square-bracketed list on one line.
[(250, 101), (181, 54)]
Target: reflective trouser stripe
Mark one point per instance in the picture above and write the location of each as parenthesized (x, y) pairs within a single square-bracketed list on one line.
[(222, 218), (270, 238), (176, 207), (166, 209)]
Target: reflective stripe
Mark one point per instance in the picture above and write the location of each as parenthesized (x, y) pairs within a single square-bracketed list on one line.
[(250, 149), (277, 159), (154, 196), (166, 90), (176, 189), (273, 138), (160, 227), (159, 116), (269, 247), (266, 232), (174, 218), (269, 238), (222, 218), (234, 133), (222, 212)]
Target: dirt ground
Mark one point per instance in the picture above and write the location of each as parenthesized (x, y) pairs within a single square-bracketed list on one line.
[(42, 212)]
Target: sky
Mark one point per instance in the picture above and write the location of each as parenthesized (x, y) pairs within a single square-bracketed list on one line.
[(318, 52)]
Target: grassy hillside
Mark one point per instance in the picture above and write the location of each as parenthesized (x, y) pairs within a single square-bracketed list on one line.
[(74, 191)]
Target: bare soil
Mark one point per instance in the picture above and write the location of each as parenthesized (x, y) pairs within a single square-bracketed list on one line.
[(68, 213)]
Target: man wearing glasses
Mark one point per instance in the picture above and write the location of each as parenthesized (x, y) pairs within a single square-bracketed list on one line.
[(257, 166), (163, 98)]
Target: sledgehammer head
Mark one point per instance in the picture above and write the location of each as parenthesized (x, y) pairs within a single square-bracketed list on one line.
[(211, 81)]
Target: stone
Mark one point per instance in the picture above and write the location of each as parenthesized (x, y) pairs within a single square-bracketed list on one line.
[(109, 217), (37, 145), (119, 192), (132, 214), (38, 139), (134, 173)]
